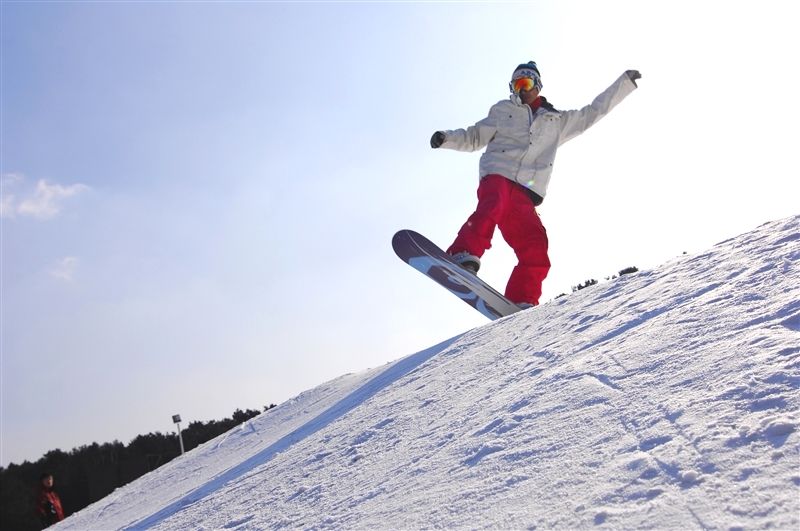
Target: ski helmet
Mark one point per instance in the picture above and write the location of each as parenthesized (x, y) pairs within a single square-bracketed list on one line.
[(527, 70)]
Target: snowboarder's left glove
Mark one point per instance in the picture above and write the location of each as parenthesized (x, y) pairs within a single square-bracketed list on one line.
[(437, 139), (633, 75)]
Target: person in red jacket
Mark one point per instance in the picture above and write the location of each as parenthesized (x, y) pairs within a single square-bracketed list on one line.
[(48, 504)]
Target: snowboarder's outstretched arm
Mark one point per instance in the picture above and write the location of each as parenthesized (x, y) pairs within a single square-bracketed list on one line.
[(576, 122), (472, 138)]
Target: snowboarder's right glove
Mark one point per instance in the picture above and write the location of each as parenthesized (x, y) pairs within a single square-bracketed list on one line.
[(437, 139), (633, 75)]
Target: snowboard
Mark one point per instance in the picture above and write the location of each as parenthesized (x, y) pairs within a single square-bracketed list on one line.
[(423, 255)]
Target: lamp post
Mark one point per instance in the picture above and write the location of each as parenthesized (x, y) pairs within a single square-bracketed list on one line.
[(177, 420)]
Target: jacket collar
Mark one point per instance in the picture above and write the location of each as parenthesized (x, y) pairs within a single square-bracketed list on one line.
[(540, 103)]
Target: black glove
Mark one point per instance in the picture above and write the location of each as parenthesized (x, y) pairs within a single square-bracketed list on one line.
[(437, 139), (633, 75)]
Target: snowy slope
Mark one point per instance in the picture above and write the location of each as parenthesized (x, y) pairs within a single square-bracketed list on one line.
[(668, 398)]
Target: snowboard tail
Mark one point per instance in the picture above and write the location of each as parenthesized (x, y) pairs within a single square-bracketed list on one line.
[(427, 258)]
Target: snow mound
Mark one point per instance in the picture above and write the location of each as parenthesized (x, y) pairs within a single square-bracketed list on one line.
[(668, 398)]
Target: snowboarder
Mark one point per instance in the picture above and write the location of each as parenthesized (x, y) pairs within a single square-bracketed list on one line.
[(521, 136)]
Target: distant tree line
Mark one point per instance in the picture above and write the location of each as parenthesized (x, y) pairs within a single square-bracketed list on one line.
[(592, 281), (89, 473)]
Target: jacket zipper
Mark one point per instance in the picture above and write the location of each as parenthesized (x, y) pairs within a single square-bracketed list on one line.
[(530, 124)]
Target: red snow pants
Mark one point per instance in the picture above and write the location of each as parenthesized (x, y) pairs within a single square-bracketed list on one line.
[(505, 204)]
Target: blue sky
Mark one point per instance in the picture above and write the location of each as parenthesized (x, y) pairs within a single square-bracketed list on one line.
[(198, 198)]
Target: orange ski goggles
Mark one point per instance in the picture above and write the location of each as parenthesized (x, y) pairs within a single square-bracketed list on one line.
[(526, 84)]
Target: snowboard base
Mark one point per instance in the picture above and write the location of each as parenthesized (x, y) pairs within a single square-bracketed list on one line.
[(427, 258)]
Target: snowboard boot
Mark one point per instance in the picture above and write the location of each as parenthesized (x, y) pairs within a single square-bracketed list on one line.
[(470, 262)]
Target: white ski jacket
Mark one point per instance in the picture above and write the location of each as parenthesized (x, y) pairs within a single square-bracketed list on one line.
[(521, 144)]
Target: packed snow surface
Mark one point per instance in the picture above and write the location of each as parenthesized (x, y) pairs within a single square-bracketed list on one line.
[(666, 398)]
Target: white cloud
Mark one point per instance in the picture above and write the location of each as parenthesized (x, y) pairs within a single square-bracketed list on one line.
[(47, 199), (8, 200), (43, 202), (65, 269), (7, 208), (10, 179)]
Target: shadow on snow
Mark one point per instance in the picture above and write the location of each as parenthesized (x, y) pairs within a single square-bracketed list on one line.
[(393, 373)]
